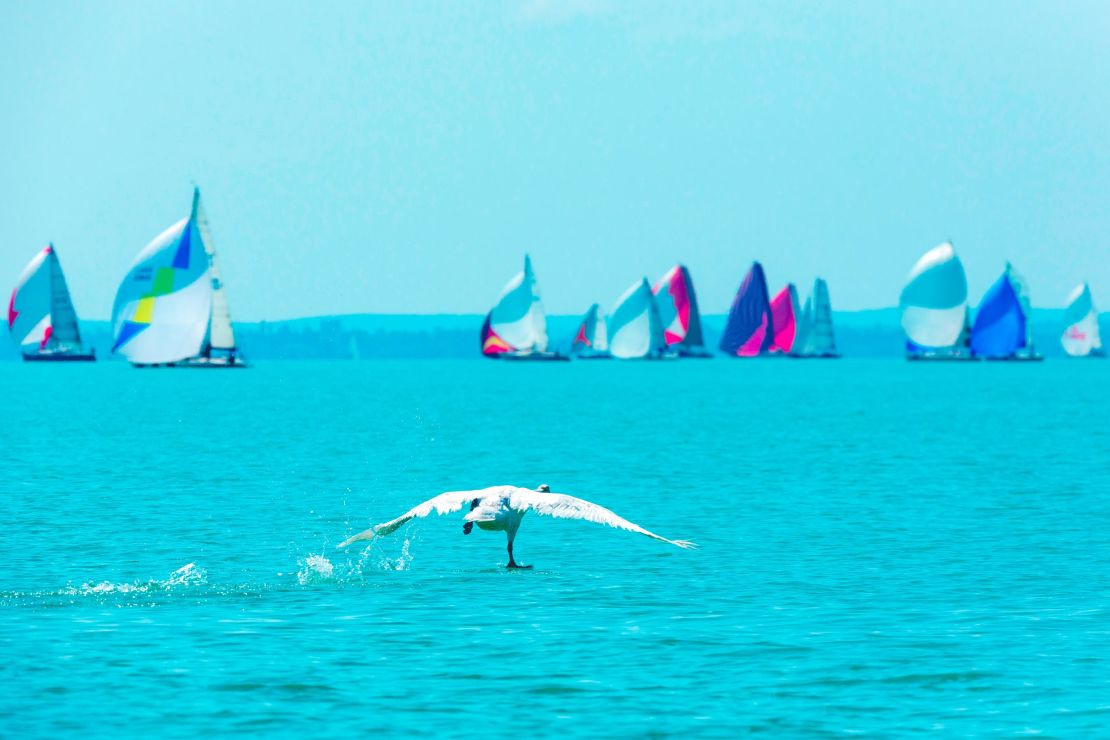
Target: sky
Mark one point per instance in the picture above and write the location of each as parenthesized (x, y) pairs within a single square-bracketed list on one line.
[(401, 157)]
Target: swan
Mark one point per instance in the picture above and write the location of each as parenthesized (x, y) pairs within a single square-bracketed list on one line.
[(501, 508)]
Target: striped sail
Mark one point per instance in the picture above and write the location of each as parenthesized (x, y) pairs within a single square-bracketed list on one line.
[(678, 309), (749, 331), (41, 317)]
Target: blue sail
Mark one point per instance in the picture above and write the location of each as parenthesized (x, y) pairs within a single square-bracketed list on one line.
[(750, 329), (999, 329)]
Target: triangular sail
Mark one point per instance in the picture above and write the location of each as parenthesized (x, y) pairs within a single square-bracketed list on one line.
[(518, 318), (820, 340), (678, 308), (41, 317), (635, 329), (220, 334), (591, 336), (1081, 337), (784, 317), (803, 342), (750, 328)]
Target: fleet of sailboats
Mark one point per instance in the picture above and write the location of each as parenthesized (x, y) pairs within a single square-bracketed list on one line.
[(171, 308), (41, 318)]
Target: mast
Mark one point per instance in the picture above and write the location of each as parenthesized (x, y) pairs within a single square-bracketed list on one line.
[(63, 318), (220, 334)]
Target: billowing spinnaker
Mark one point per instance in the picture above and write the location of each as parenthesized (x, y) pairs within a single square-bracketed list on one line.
[(635, 329), (678, 308), (492, 344), (164, 304), (934, 300), (784, 313), (999, 329), (1081, 337), (750, 328), (518, 317)]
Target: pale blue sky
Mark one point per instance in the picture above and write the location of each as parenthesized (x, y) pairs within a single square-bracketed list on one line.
[(401, 157)]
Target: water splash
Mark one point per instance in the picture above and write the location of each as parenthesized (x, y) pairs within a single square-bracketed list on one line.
[(315, 569), (401, 562), (185, 576)]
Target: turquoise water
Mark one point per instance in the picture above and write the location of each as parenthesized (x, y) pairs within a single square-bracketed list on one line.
[(884, 546)]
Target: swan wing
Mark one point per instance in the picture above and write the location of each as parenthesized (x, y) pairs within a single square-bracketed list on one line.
[(444, 503), (562, 506)]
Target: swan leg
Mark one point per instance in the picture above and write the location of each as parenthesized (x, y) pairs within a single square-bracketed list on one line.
[(513, 563)]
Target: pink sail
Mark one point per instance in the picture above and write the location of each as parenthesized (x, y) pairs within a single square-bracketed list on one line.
[(784, 316)]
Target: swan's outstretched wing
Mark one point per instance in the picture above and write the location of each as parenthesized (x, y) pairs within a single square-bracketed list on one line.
[(562, 506), (444, 503)]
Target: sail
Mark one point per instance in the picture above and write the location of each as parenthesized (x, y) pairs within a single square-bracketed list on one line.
[(40, 313), (220, 333), (784, 318), (804, 334), (820, 340), (678, 308), (1000, 326), (934, 300), (163, 306), (750, 328), (591, 335), (635, 329), (517, 318), (492, 344), (1081, 337)]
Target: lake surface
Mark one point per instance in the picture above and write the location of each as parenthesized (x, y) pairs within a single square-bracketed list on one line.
[(885, 547)]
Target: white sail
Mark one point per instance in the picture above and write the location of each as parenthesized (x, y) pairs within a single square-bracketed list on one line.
[(635, 329), (601, 334), (518, 317), (1081, 337), (41, 317), (803, 336), (220, 333), (164, 303), (934, 300), (1021, 288)]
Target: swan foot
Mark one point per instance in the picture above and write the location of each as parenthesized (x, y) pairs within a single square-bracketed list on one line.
[(518, 566)]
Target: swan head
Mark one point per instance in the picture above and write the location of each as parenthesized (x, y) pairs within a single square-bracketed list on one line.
[(544, 488)]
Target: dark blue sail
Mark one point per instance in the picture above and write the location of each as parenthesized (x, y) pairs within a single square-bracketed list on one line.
[(999, 329), (750, 330)]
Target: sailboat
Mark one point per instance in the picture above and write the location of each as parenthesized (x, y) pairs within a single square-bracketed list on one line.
[(678, 310), (591, 341), (516, 328), (41, 318), (171, 308), (815, 330), (635, 328), (935, 315), (750, 329), (784, 319), (1081, 337), (1002, 329)]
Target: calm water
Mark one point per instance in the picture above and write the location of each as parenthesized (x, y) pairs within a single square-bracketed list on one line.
[(884, 547)]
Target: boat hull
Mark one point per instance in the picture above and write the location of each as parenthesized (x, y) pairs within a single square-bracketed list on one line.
[(531, 357), (206, 363), (86, 357), (695, 354), (942, 358), (1034, 358)]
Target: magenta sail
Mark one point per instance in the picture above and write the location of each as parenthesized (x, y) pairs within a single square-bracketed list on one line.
[(678, 310), (750, 328), (784, 317)]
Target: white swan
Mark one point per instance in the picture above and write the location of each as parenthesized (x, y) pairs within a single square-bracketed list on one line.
[(500, 509)]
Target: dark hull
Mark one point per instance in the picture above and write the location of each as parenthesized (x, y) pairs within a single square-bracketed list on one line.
[(695, 354), (201, 363), (941, 358), (90, 357), (531, 357), (826, 356), (1034, 358), (593, 357)]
